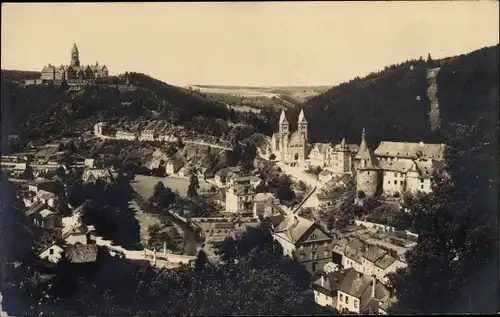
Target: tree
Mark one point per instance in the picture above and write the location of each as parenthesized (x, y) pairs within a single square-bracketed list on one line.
[(193, 186), (457, 243)]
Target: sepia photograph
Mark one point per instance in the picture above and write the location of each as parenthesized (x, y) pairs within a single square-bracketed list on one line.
[(249, 158)]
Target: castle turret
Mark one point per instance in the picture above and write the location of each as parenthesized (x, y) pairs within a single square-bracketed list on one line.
[(75, 56)]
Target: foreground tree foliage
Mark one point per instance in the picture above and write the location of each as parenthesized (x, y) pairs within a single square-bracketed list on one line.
[(455, 266), (256, 280)]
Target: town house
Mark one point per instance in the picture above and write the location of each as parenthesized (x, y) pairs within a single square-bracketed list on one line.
[(240, 199), (306, 241), (361, 294)]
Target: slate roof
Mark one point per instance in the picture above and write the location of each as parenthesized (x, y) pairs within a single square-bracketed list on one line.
[(293, 228), (354, 283), (385, 261), (396, 166), (332, 282), (374, 253), (410, 150), (80, 253), (353, 250)]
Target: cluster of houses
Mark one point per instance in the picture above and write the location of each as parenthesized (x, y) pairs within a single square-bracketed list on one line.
[(41, 195), (358, 281)]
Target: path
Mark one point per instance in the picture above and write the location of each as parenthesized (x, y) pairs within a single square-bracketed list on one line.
[(216, 146), (311, 200), (145, 254)]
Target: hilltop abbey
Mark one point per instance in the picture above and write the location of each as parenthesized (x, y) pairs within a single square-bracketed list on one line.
[(73, 71), (394, 167)]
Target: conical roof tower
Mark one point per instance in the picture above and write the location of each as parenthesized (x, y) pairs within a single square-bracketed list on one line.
[(366, 153)]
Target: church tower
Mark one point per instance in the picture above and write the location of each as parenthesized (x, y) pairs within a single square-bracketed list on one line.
[(284, 125), (302, 125), (75, 56)]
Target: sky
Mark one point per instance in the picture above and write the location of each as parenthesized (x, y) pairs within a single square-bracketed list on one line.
[(245, 43)]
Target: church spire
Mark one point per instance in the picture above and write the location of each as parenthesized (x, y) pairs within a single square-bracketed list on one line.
[(75, 56), (283, 117), (302, 117)]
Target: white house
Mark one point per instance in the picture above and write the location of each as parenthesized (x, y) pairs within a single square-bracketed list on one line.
[(240, 199), (52, 253)]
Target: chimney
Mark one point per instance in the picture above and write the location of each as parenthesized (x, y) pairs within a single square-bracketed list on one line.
[(322, 280), (374, 281), (421, 143)]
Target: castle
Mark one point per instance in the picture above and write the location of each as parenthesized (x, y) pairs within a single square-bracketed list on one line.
[(393, 168), (74, 70)]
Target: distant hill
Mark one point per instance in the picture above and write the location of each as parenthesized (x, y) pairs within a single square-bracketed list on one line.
[(395, 104), (48, 110), (286, 96), (18, 75)]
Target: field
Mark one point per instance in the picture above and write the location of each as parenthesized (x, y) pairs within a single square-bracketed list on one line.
[(145, 184), (298, 94)]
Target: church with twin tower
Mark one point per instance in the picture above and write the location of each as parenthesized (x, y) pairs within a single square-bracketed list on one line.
[(291, 147)]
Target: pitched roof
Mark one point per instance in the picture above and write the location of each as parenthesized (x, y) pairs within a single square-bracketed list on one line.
[(354, 283), (243, 190), (382, 294), (385, 261), (35, 208), (98, 173), (410, 150), (373, 253), (293, 227), (81, 253), (396, 166), (353, 250), (81, 229), (332, 283), (46, 213)]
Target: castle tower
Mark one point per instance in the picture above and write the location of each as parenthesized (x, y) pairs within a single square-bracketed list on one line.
[(302, 125), (344, 158), (75, 56), (365, 155), (367, 170)]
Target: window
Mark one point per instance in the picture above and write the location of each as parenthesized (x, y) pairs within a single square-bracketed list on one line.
[(355, 303), (388, 182), (51, 251), (302, 256), (326, 254), (341, 297), (401, 183), (395, 182), (313, 255), (313, 236), (421, 180), (347, 299), (368, 172), (421, 186), (314, 266)]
